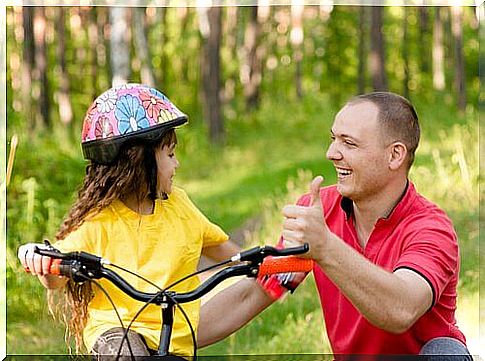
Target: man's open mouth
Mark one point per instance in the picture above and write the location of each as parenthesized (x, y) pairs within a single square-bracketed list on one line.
[(343, 172)]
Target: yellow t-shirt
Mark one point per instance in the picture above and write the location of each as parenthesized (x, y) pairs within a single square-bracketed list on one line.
[(162, 247)]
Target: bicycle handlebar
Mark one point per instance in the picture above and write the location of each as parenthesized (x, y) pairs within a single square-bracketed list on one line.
[(82, 266)]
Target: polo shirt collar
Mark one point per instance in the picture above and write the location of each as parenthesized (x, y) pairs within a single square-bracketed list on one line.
[(406, 200)]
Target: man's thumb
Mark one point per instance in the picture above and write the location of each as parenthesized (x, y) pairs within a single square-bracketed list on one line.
[(315, 191)]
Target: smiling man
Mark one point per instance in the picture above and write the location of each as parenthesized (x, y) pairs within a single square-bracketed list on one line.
[(386, 258)]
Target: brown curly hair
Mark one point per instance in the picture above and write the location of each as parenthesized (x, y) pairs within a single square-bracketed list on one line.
[(133, 172)]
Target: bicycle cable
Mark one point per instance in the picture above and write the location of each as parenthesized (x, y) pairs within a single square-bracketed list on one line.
[(136, 275), (192, 332), (198, 272), (118, 354), (114, 308), (162, 290)]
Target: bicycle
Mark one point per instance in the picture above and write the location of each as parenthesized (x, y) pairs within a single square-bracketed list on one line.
[(82, 266)]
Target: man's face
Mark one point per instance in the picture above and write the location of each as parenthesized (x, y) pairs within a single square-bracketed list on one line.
[(358, 152)]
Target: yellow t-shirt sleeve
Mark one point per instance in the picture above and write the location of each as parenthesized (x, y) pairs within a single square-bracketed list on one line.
[(78, 240), (212, 234)]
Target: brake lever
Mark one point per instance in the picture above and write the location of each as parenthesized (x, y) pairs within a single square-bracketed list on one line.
[(85, 258), (51, 252)]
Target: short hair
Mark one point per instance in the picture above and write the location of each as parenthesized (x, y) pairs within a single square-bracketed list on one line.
[(397, 116)]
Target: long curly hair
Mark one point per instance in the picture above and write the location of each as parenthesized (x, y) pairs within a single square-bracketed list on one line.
[(133, 172)]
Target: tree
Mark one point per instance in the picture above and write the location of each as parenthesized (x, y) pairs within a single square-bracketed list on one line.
[(377, 56), (296, 38), (141, 46), (211, 29), (362, 49), (160, 32), (423, 36), (63, 96), (94, 35), (28, 64), (438, 52), (405, 53), (251, 63), (40, 72), (230, 29), (119, 46), (457, 31)]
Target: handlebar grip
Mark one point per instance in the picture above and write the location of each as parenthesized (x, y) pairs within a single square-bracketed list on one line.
[(294, 250), (60, 267), (285, 264), (55, 268)]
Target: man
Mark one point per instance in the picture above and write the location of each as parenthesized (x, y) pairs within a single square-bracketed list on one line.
[(387, 259)]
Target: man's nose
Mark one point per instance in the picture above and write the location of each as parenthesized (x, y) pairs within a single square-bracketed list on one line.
[(333, 153)]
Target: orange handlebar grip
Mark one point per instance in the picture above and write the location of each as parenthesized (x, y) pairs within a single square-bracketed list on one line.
[(54, 269), (284, 265)]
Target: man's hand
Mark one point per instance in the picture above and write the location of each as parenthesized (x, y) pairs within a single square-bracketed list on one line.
[(307, 224)]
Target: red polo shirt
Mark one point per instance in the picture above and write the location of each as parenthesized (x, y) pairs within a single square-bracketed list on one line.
[(416, 235)]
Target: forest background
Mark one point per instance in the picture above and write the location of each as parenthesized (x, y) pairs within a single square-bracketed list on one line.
[(261, 85)]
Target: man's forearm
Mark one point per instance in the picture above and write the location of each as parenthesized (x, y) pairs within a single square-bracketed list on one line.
[(229, 310), (387, 300)]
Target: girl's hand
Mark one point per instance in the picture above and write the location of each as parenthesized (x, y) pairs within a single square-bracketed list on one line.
[(33, 262)]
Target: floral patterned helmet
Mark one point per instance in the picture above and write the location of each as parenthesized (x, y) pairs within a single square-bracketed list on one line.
[(126, 112)]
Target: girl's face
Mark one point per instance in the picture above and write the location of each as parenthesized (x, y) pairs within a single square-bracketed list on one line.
[(167, 163)]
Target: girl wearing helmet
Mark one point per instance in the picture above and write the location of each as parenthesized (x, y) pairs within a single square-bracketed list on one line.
[(129, 212)]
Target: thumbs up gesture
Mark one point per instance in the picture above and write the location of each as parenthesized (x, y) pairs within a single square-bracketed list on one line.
[(307, 224)]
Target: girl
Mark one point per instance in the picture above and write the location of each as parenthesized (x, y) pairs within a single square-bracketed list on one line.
[(129, 211)]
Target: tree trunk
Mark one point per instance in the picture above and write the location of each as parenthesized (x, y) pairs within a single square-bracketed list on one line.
[(251, 68), (230, 31), (119, 46), (41, 66), (162, 20), (438, 52), (405, 54), (296, 38), (362, 50), (210, 27), (377, 54), (141, 46), (102, 50), (63, 95), (94, 43), (185, 22), (423, 37), (457, 31), (28, 65)]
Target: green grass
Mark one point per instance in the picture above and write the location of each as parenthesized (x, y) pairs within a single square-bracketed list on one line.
[(268, 159)]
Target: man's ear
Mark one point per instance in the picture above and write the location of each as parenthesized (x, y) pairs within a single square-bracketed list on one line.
[(397, 155)]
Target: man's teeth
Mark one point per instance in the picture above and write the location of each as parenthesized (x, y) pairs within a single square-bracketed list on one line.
[(343, 172)]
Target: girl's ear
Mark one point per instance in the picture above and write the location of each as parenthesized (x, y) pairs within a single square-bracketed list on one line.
[(397, 155)]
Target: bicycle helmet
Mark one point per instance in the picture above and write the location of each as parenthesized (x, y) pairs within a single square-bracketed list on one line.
[(125, 113)]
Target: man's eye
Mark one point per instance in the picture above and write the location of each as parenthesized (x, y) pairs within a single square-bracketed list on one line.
[(348, 142)]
